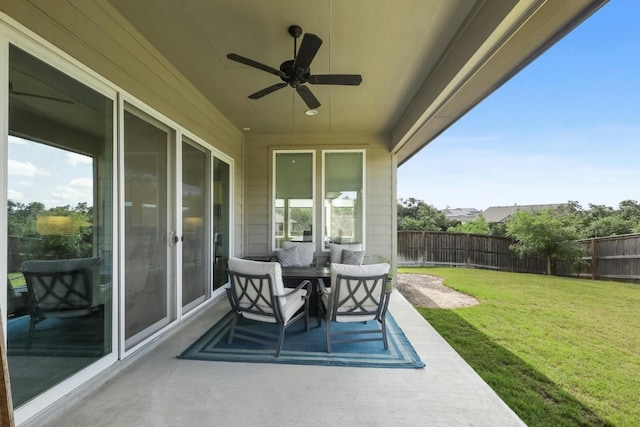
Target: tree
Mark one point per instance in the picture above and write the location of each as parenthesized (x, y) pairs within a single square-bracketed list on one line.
[(477, 226), (414, 214), (613, 225), (22, 225), (549, 233)]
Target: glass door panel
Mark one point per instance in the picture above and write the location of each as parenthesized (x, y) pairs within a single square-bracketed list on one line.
[(195, 225), (146, 228), (60, 225), (221, 220)]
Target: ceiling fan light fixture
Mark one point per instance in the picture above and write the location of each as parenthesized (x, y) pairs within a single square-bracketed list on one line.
[(311, 112)]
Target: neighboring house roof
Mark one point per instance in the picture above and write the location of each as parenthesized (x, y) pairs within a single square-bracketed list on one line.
[(461, 214), (501, 213)]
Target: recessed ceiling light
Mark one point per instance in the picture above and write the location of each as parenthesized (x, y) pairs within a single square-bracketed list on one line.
[(311, 112), (246, 128)]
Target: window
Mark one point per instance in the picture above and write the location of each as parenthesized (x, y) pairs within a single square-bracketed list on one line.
[(293, 187), (343, 197)]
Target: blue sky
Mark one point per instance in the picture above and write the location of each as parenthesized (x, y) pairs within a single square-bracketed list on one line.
[(48, 175), (565, 128)]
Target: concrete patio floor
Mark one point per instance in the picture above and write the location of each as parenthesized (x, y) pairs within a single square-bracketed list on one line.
[(157, 389)]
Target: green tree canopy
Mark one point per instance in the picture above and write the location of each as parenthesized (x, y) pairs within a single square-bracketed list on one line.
[(549, 233), (477, 226), (416, 215), (22, 224)]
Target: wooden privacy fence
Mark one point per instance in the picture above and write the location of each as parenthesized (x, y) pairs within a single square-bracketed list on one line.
[(439, 248), (608, 258)]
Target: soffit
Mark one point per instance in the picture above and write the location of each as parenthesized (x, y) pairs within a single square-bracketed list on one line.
[(424, 63)]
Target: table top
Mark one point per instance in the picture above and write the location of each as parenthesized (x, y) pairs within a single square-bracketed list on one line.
[(306, 272)]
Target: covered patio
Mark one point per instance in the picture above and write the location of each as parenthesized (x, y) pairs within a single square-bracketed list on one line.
[(155, 388), (183, 168)]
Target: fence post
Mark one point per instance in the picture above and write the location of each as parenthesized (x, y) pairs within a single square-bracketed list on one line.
[(594, 259), (467, 256), (423, 243)]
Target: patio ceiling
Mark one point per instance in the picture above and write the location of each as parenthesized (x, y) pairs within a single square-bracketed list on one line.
[(424, 63)]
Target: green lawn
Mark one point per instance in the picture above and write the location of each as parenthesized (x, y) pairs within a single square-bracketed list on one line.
[(559, 351), (16, 280)]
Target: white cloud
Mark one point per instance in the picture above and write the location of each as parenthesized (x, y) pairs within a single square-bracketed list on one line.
[(82, 182), (18, 168), (17, 141), (68, 195), (16, 196), (78, 159)]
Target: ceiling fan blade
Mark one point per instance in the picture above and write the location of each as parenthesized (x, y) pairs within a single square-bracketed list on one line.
[(35, 95), (308, 97), (335, 79), (267, 90), (308, 49), (254, 64)]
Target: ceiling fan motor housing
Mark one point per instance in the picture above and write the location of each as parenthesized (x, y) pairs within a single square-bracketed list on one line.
[(291, 77)]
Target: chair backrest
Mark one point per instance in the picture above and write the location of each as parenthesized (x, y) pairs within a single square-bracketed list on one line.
[(254, 286), (358, 291), (60, 285)]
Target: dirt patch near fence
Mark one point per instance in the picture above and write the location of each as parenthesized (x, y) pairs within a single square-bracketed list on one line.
[(423, 290)]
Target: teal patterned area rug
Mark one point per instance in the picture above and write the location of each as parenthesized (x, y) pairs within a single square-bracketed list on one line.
[(306, 348)]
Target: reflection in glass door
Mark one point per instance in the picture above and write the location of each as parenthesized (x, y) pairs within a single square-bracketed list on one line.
[(146, 227), (59, 215), (221, 220), (195, 225)]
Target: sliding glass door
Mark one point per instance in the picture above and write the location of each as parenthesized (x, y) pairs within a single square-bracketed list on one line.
[(149, 239), (196, 234), (60, 226)]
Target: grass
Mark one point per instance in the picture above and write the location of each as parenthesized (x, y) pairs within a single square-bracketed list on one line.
[(558, 351), (16, 280)]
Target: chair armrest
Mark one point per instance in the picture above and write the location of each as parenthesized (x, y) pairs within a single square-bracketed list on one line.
[(305, 284), (322, 288)]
